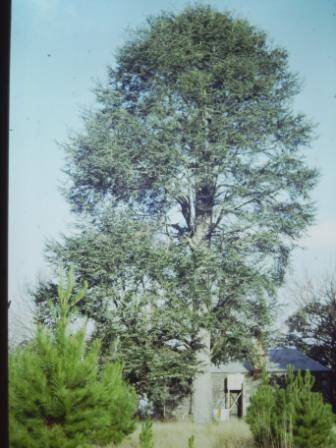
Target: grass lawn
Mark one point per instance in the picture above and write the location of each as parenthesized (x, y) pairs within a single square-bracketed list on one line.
[(234, 434)]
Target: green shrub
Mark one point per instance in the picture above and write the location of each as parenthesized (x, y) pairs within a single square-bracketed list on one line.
[(291, 417), (59, 394), (146, 435), (191, 442), (312, 419), (261, 415)]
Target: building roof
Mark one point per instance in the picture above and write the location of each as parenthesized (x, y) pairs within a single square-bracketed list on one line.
[(232, 367), (277, 361)]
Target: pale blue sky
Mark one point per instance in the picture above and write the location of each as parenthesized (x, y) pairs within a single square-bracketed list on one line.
[(59, 49)]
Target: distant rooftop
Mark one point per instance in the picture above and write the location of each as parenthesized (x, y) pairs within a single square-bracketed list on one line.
[(277, 361)]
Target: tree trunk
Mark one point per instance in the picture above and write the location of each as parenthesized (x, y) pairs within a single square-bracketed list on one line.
[(202, 385), (204, 203)]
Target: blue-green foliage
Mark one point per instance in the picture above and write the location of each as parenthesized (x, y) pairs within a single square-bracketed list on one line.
[(59, 394), (191, 187)]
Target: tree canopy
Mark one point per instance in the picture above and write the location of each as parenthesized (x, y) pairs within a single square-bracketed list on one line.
[(195, 128)]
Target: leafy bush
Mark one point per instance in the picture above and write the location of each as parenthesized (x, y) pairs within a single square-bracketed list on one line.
[(146, 435), (290, 417), (59, 394)]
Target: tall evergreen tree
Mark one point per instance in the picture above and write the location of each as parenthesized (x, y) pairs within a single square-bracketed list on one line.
[(195, 135)]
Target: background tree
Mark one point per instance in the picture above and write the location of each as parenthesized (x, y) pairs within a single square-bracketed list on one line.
[(194, 134), (312, 328)]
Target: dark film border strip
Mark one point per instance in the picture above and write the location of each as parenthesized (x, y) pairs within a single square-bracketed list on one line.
[(5, 27)]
